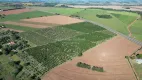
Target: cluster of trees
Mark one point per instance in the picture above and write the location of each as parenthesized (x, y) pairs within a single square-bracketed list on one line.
[(104, 16), (84, 65), (99, 69), (139, 56), (87, 66), (10, 42), (140, 13), (2, 16)]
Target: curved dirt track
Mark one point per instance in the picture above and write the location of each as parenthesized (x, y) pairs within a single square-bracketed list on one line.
[(110, 55), (130, 34)]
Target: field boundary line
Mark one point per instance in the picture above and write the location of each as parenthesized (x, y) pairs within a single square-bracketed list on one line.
[(131, 66), (130, 25)]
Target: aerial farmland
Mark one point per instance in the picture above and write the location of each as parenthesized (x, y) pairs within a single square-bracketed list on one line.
[(53, 42)]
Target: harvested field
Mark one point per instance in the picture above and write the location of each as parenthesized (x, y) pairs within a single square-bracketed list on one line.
[(18, 11), (110, 55), (26, 24), (58, 19)]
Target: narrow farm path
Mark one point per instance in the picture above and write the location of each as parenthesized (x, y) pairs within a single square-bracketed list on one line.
[(128, 27)]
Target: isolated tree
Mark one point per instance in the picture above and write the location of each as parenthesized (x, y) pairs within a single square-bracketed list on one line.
[(140, 13)]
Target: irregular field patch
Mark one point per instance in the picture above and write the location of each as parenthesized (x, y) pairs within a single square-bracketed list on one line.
[(58, 19), (25, 15), (26, 24), (65, 11), (45, 36), (18, 11), (110, 55), (114, 23), (136, 30), (58, 52)]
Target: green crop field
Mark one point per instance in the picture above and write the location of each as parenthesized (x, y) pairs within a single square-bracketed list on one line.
[(6, 7), (136, 30), (114, 23), (58, 52), (127, 19), (17, 17), (65, 11), (49, 35), (21, 28)]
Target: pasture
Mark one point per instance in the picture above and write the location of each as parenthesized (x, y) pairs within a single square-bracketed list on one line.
[(114, 23), (65, 11), (136, 30), (26, 15), (64, 45)]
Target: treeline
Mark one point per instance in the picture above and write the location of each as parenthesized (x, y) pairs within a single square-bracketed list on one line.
[(104, 16), (87, 66)]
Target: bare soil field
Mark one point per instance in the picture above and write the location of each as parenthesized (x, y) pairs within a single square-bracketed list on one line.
[(132, 8), (26, 24), (18, 11), (57, 19), (110, 55)]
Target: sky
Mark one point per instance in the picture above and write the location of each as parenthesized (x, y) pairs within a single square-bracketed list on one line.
[(79, 0)]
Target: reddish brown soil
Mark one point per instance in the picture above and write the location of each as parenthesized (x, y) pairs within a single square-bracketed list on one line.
[(18, 11), (58, 19), (110, 55), (26, 24)]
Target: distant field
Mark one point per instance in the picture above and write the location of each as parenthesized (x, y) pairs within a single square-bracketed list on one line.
[(113, 23), (33, 14), (65, 11), (6, 7), (136, 30), (82, 36)]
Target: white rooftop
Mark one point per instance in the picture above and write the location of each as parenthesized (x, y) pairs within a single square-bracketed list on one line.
[(139, 61)]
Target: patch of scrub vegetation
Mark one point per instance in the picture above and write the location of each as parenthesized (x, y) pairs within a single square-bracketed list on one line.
[(49, 35), (56, 53), (26, 15), (114, 23), (21, 28), (65, 11), (83, 65)]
